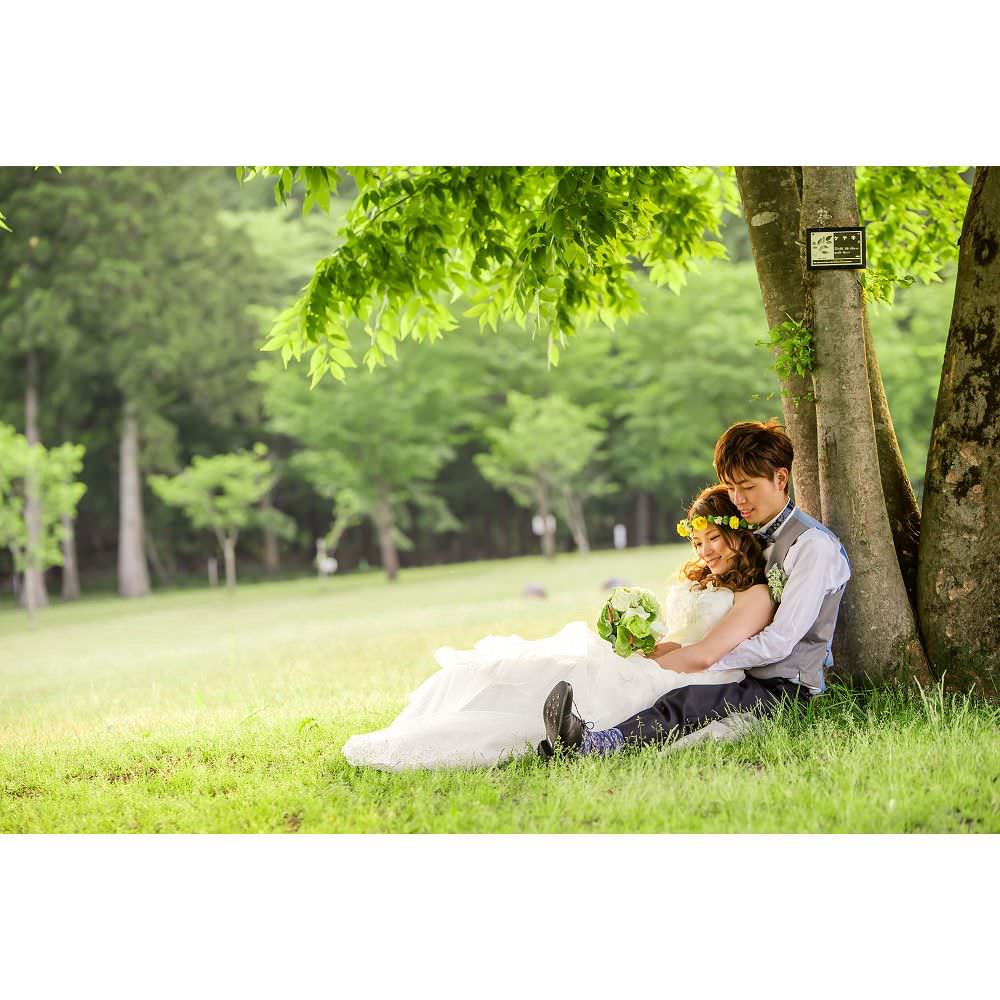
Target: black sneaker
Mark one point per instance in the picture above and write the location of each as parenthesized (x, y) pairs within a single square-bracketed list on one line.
[(564, 729)]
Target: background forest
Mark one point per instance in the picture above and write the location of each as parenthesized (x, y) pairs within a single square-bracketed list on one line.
[(133, 302)]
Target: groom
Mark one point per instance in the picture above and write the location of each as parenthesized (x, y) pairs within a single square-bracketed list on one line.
[(808, 568)]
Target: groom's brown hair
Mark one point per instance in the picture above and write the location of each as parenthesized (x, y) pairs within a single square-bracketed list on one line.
[(753, 448)]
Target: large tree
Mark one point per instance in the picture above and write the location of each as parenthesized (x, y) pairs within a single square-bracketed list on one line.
[(552, 249), (958, 592), (879, 623)]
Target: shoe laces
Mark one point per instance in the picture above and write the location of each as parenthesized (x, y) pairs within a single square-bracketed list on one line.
[(589, 726)]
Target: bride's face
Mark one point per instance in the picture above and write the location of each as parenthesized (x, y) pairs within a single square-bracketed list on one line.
[(712, 549)]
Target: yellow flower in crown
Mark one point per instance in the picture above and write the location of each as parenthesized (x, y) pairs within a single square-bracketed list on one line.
[(682, 529), (734, 522), (699, 523)]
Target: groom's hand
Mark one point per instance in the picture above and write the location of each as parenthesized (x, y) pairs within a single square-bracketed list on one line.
[(662, 647)]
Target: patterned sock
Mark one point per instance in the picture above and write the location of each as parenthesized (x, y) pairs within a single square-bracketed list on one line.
[(603, 742)]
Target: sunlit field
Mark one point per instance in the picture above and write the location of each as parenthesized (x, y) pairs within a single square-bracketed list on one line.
[(203, 711)]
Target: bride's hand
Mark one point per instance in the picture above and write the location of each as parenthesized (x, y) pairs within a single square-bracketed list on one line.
[(662, 647)]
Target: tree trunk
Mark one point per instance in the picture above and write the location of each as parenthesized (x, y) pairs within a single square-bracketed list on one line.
[(70, 567), (34, 594), (548, 535), (272, 557), (900, 500), (878, 633), (772, 205), (385, 525), (133, 576), (959, 545), (642, 517), (160, 570), (577, 522), (70, 570), (229, 557)]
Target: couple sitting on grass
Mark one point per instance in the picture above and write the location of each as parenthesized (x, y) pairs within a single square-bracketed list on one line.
[(750, 625)]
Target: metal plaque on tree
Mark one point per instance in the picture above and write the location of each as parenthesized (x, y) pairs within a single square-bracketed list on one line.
[(836, 247)]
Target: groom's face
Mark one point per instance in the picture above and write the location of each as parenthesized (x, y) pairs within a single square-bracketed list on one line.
[(759, 498)]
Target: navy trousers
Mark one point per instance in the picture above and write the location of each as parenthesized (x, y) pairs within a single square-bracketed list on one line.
[(686, 708)]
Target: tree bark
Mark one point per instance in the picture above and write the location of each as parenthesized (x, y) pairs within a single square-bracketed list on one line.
[(642, 517), (772, 205), (900, 500), (33, 595), (878, 633), (385, 525), (959, 545), (133, 576), (70, 569)]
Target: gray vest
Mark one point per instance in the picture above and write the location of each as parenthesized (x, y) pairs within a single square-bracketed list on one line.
[(812, 652)]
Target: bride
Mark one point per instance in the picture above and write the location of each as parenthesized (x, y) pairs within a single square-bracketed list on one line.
[(483, 705)]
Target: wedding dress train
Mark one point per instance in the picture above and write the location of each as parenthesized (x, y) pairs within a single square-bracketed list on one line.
[(485, 704)]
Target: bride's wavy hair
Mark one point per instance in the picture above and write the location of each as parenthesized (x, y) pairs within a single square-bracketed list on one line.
[(748, 566)]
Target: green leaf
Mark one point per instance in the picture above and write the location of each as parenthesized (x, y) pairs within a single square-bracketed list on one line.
[(386, 343)]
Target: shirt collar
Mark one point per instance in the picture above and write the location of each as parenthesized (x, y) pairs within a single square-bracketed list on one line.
[(766, 532)]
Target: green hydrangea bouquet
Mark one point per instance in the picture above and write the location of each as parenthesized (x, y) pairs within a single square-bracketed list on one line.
[(629, 620)]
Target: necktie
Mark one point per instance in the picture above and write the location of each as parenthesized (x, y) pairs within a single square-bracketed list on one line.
[(764, 536)]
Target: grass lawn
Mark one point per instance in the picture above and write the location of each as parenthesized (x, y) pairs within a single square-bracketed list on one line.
[(201, 711)]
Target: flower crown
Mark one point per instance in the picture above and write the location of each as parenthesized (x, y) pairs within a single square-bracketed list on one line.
[(701, 522)]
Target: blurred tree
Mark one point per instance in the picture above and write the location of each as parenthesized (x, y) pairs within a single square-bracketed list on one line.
[(30, 472), (161, 290), (546, 458), (223, 494), (376, 443), (36, 332)]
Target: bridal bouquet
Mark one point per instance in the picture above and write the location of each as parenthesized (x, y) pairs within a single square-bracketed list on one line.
[(629, 620)]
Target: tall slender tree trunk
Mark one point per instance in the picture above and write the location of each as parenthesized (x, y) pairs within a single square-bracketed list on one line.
[(900, 500), (229, 557), (133, 576), (272, 557), (34, 594), (642, 517), (544, 510), (958, 590), (70, 570), (577, 522), (70, 567), (878, 633), (385, 525), (772, 205)]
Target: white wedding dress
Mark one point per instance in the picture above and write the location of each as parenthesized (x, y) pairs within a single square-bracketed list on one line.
[(485, 704)]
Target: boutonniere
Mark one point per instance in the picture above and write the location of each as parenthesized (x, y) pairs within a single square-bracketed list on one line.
[(776, 580)]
